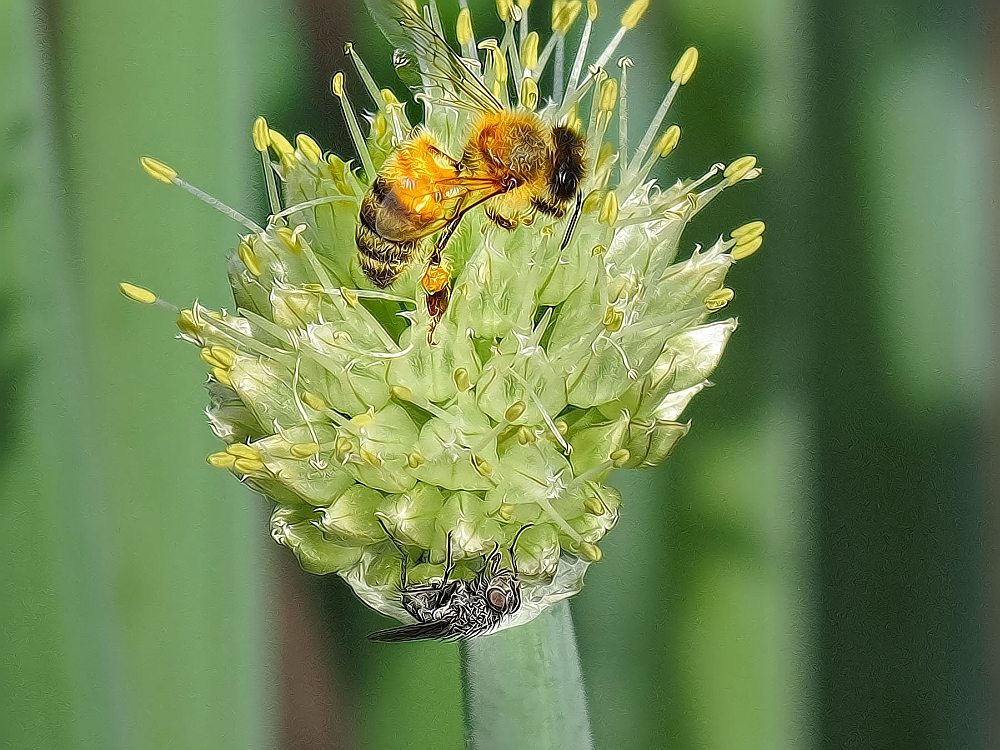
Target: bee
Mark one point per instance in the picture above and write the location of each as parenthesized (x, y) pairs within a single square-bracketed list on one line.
[(455, 610), (512, 161)]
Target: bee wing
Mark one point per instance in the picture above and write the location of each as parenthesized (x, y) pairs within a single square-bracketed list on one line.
[(418, 631), (453, 196), (430, 56)]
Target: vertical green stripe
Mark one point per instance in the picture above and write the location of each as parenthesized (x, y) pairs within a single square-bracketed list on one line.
[(57, 661), (133, 602)]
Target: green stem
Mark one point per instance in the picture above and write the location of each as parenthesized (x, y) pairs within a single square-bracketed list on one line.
[(523, 687)]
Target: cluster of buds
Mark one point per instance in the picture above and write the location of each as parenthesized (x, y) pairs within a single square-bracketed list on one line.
[(552, 367)]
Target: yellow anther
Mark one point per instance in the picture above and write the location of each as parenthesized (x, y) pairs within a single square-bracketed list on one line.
[(505, 512), (749, 231), (401, 393), (529, 94), (719, 299), (684, 68), (634, 13), (613, 320), (242, 450), (592, 10), (514, 411), (389, 98), (370, 457), (157, 169), (208, 358), (573, 121), (309, 149), (223, 355), (605, 157), (620, 457), (526, 436), (260, 134), (529, 51), (186, 321), (593, 506), (222, 376), (504, 9), (291, 237), (593, 202), (248, 465), (500, 70), (746, 248), (609, 210), (304, 450), (348, 47), (337, 84), (740, 169), (137, 293), (608, 96), (281, 145), (222, 460), (415, 459), (363, 419), (564, 15), (249, 258), (668, 141), (482, 466), (344, 446), (462, 381), (380, 126), (463, 27), (313, 401), (589, 551), (597, 250)]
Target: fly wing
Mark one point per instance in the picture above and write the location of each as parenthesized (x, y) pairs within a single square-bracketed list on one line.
[(418, 631), (426, 55)]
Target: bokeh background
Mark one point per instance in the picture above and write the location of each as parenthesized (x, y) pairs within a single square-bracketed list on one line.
[(812, 569)]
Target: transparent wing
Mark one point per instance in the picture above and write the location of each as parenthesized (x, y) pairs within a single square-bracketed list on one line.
[(423, 54), (419, 631), (417, 209)]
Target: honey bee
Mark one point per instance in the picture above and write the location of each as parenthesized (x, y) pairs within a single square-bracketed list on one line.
[(455, 610), (513, 162)]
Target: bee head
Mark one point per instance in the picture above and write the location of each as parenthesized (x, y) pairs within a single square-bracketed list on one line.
[(567, 163)]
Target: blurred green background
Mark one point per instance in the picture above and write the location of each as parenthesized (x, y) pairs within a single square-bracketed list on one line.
[(812, 569)]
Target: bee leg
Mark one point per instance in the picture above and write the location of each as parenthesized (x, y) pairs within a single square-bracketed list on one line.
[(500, 220), (572, 222)]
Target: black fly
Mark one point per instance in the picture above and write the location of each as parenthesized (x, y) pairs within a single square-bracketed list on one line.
[(455, 610)]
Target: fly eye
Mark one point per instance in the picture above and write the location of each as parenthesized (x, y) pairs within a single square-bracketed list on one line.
[(497, 599)]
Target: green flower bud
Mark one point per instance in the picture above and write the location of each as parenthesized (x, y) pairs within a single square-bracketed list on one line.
[(389, 425)]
